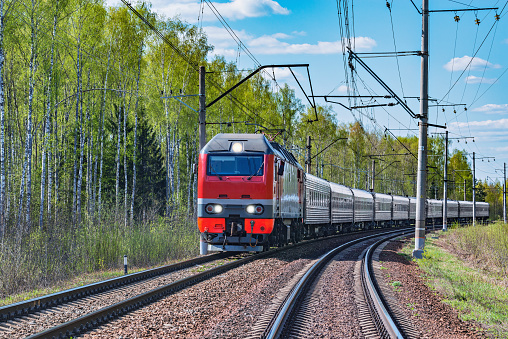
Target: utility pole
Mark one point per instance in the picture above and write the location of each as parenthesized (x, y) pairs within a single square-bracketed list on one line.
[(372, 185), (203, 246), (202, 108), (422, 140), (464, 189), (445, 189), (474, 191), (504, 194), (309, 160)]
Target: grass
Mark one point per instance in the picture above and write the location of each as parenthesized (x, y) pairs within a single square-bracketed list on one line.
[(46, 262), (473, 281)]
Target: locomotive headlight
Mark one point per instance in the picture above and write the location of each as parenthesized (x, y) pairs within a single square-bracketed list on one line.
[(218, 209), (237, 147), (255, 209), (213, 208)]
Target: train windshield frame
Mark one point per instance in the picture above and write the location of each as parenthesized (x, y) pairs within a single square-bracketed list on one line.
[(235, 165)]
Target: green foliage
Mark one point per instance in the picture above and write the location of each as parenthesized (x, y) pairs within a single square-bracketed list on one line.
[(476, 288)]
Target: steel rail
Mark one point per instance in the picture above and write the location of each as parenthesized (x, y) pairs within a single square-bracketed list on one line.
[(41, 303), (390, 326), (276, 327), (104, 315)]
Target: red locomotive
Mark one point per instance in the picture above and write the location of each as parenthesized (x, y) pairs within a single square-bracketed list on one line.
[(250, 194)]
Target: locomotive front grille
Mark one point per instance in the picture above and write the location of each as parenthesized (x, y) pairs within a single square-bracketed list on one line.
[(235, 226)]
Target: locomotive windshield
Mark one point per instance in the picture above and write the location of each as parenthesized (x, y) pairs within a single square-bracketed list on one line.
[(235, 165)]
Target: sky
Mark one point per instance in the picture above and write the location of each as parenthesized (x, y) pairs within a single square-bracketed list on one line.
[(308, 32)]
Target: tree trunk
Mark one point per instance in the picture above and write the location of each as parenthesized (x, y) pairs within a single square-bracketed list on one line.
[(135, 136), (117, 159), (76, 131), (47, 122), (33, 58), (125, 192), (2, 123), (99, 201)]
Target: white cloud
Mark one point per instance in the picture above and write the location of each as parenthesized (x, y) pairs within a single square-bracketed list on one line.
[(362, 43), (273, 44), (460, 64), (342, 89), (501, 149), (280, 73), (493, 109), (477, 80), (188, 10), (301, 33), (487, 124)]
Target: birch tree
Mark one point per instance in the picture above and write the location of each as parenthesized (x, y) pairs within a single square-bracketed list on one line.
[(47, 122)]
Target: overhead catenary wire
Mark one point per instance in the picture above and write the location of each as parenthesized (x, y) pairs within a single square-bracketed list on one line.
[(395, 48), (472, 58)]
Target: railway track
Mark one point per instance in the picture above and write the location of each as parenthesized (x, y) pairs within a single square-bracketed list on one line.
[(289, 317), (37, 318), (77, 311), (26, 317)]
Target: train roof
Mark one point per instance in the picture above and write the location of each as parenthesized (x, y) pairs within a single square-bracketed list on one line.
[(251, 143)]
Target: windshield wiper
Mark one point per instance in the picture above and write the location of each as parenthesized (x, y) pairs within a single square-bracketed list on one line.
[(214, 171), (255, 173)]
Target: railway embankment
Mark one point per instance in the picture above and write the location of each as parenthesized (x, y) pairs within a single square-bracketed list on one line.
[(460, 287)]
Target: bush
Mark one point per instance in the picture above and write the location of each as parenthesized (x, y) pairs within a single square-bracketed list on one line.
[(43, 258)]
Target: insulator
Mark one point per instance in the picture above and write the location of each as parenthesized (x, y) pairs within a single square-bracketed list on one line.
[(465, 108), (454, 111), (388, 5), (497, 17), (477, 21), (456, 18), (473, 140), (443, 109)]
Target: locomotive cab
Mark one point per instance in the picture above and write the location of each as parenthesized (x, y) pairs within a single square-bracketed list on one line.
[(238, 201)]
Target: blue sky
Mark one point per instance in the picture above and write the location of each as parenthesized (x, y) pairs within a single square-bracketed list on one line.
[(288, 32)]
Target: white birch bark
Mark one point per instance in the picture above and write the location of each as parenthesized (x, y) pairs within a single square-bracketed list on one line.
[(33, 58), (135, 136), (125, 192), (78, 99), (99, 201), (2, 124), (117, 159), (47, 122)]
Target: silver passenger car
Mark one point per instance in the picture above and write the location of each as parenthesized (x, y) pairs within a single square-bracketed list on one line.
[(363, 205), (412, 208), (317, 200), (482, 209), (341, 204), (465, 209), (400, 208), (434, 208), (452, 211), (383, 210)]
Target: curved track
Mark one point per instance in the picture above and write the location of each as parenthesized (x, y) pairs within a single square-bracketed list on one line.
[(67, 313), (290, 317)]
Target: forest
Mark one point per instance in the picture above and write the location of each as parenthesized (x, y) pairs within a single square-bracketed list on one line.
[(97, 162)]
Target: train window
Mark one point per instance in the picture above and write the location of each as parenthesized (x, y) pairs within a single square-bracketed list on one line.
[(235, 165)]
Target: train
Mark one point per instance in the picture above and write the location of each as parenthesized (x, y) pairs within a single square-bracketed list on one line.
[(253, 194)]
